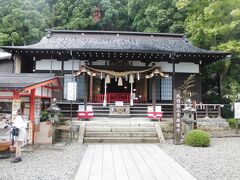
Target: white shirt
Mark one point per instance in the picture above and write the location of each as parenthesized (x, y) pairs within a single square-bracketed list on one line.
[(19, 123)]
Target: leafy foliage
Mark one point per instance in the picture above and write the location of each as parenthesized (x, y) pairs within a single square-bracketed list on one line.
[(186, 92), (215, 25), (22, 21), (232, 122), (44, 116), (197, 138)]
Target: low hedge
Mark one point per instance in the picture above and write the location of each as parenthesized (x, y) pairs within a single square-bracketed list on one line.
[(197, 138), (232, 122)]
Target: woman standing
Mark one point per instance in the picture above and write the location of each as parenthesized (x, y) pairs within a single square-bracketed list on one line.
[(19, 123)]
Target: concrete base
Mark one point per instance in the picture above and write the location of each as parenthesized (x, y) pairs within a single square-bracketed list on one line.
[(119, 115)]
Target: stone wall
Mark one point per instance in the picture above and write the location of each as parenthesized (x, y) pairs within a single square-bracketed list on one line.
[(216, 127), (167, 129)]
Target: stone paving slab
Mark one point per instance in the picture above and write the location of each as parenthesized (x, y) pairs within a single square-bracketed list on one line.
[(129, 162)]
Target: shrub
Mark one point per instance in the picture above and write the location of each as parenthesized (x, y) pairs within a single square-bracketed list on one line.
[(44, 116), (232, 122), (197, 138)]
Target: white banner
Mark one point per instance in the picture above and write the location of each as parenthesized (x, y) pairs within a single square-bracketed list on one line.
[(237, 110), (72, 91)]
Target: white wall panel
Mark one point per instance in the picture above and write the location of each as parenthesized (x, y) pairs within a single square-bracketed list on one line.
[(99, 63), (38, 91), (138, 63), (6, 93), (68, 64), (49, 92), (45, 91), (182, 67)]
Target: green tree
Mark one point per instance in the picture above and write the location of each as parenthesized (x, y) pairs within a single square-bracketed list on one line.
[(156, 16), (22, 21), (215, 25)]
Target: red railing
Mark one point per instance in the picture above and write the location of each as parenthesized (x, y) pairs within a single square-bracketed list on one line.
[(112, 97)]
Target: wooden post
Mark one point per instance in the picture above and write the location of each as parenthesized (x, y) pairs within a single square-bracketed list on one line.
[(206, 111), (177, 135), (219, 111), (85, 92), (32, 110), (173, 78), (195, 115), (145, 90), (154, 93), (236, 126), (105, 93), (131, 95), (91, 89)]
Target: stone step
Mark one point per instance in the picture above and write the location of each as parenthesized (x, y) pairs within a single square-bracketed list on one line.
[(120, 140), (121, 134), (119, 129), (120, 124)]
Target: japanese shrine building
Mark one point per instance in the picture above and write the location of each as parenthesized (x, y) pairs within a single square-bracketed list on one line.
[(64, 52)]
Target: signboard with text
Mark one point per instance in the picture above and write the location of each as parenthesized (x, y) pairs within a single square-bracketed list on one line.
[(177, 117), (237, 110), (72, 91)]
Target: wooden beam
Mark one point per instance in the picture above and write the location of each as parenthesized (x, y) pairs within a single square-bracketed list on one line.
[(42, 84)]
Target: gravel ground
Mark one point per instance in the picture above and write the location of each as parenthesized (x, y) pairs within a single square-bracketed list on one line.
[(45, 162), (220, 161)]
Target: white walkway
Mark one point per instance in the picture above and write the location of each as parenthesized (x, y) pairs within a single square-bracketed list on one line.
[(129, 162)]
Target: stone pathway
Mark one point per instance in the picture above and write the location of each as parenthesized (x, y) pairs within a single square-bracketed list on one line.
[(129, 162)]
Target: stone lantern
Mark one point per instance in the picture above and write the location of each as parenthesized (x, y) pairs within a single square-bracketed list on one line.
[(53, 111), (188, 118)]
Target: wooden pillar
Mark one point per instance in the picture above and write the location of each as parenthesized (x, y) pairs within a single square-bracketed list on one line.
[(105, 93), (32, 110), (154, 93), (85, 92), (173, 78), (16, 95), (15, 104), (91, 89), (206, 111), (145, 90), (32, 105), (219, 111), (17, 63)]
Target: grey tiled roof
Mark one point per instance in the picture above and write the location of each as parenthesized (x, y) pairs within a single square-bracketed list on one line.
[(23, 80), (114, 42)]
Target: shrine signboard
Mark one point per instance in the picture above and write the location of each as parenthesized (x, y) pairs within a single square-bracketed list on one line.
[(177, 117), (237, 110)]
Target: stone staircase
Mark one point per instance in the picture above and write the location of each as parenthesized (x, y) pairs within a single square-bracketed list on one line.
[(138, 110), (122, 132)]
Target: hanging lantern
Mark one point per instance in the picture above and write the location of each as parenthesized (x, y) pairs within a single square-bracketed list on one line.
[(101, 75), (115, 79), (108, 79), (120, 82), (131, 78), (126, 78)]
